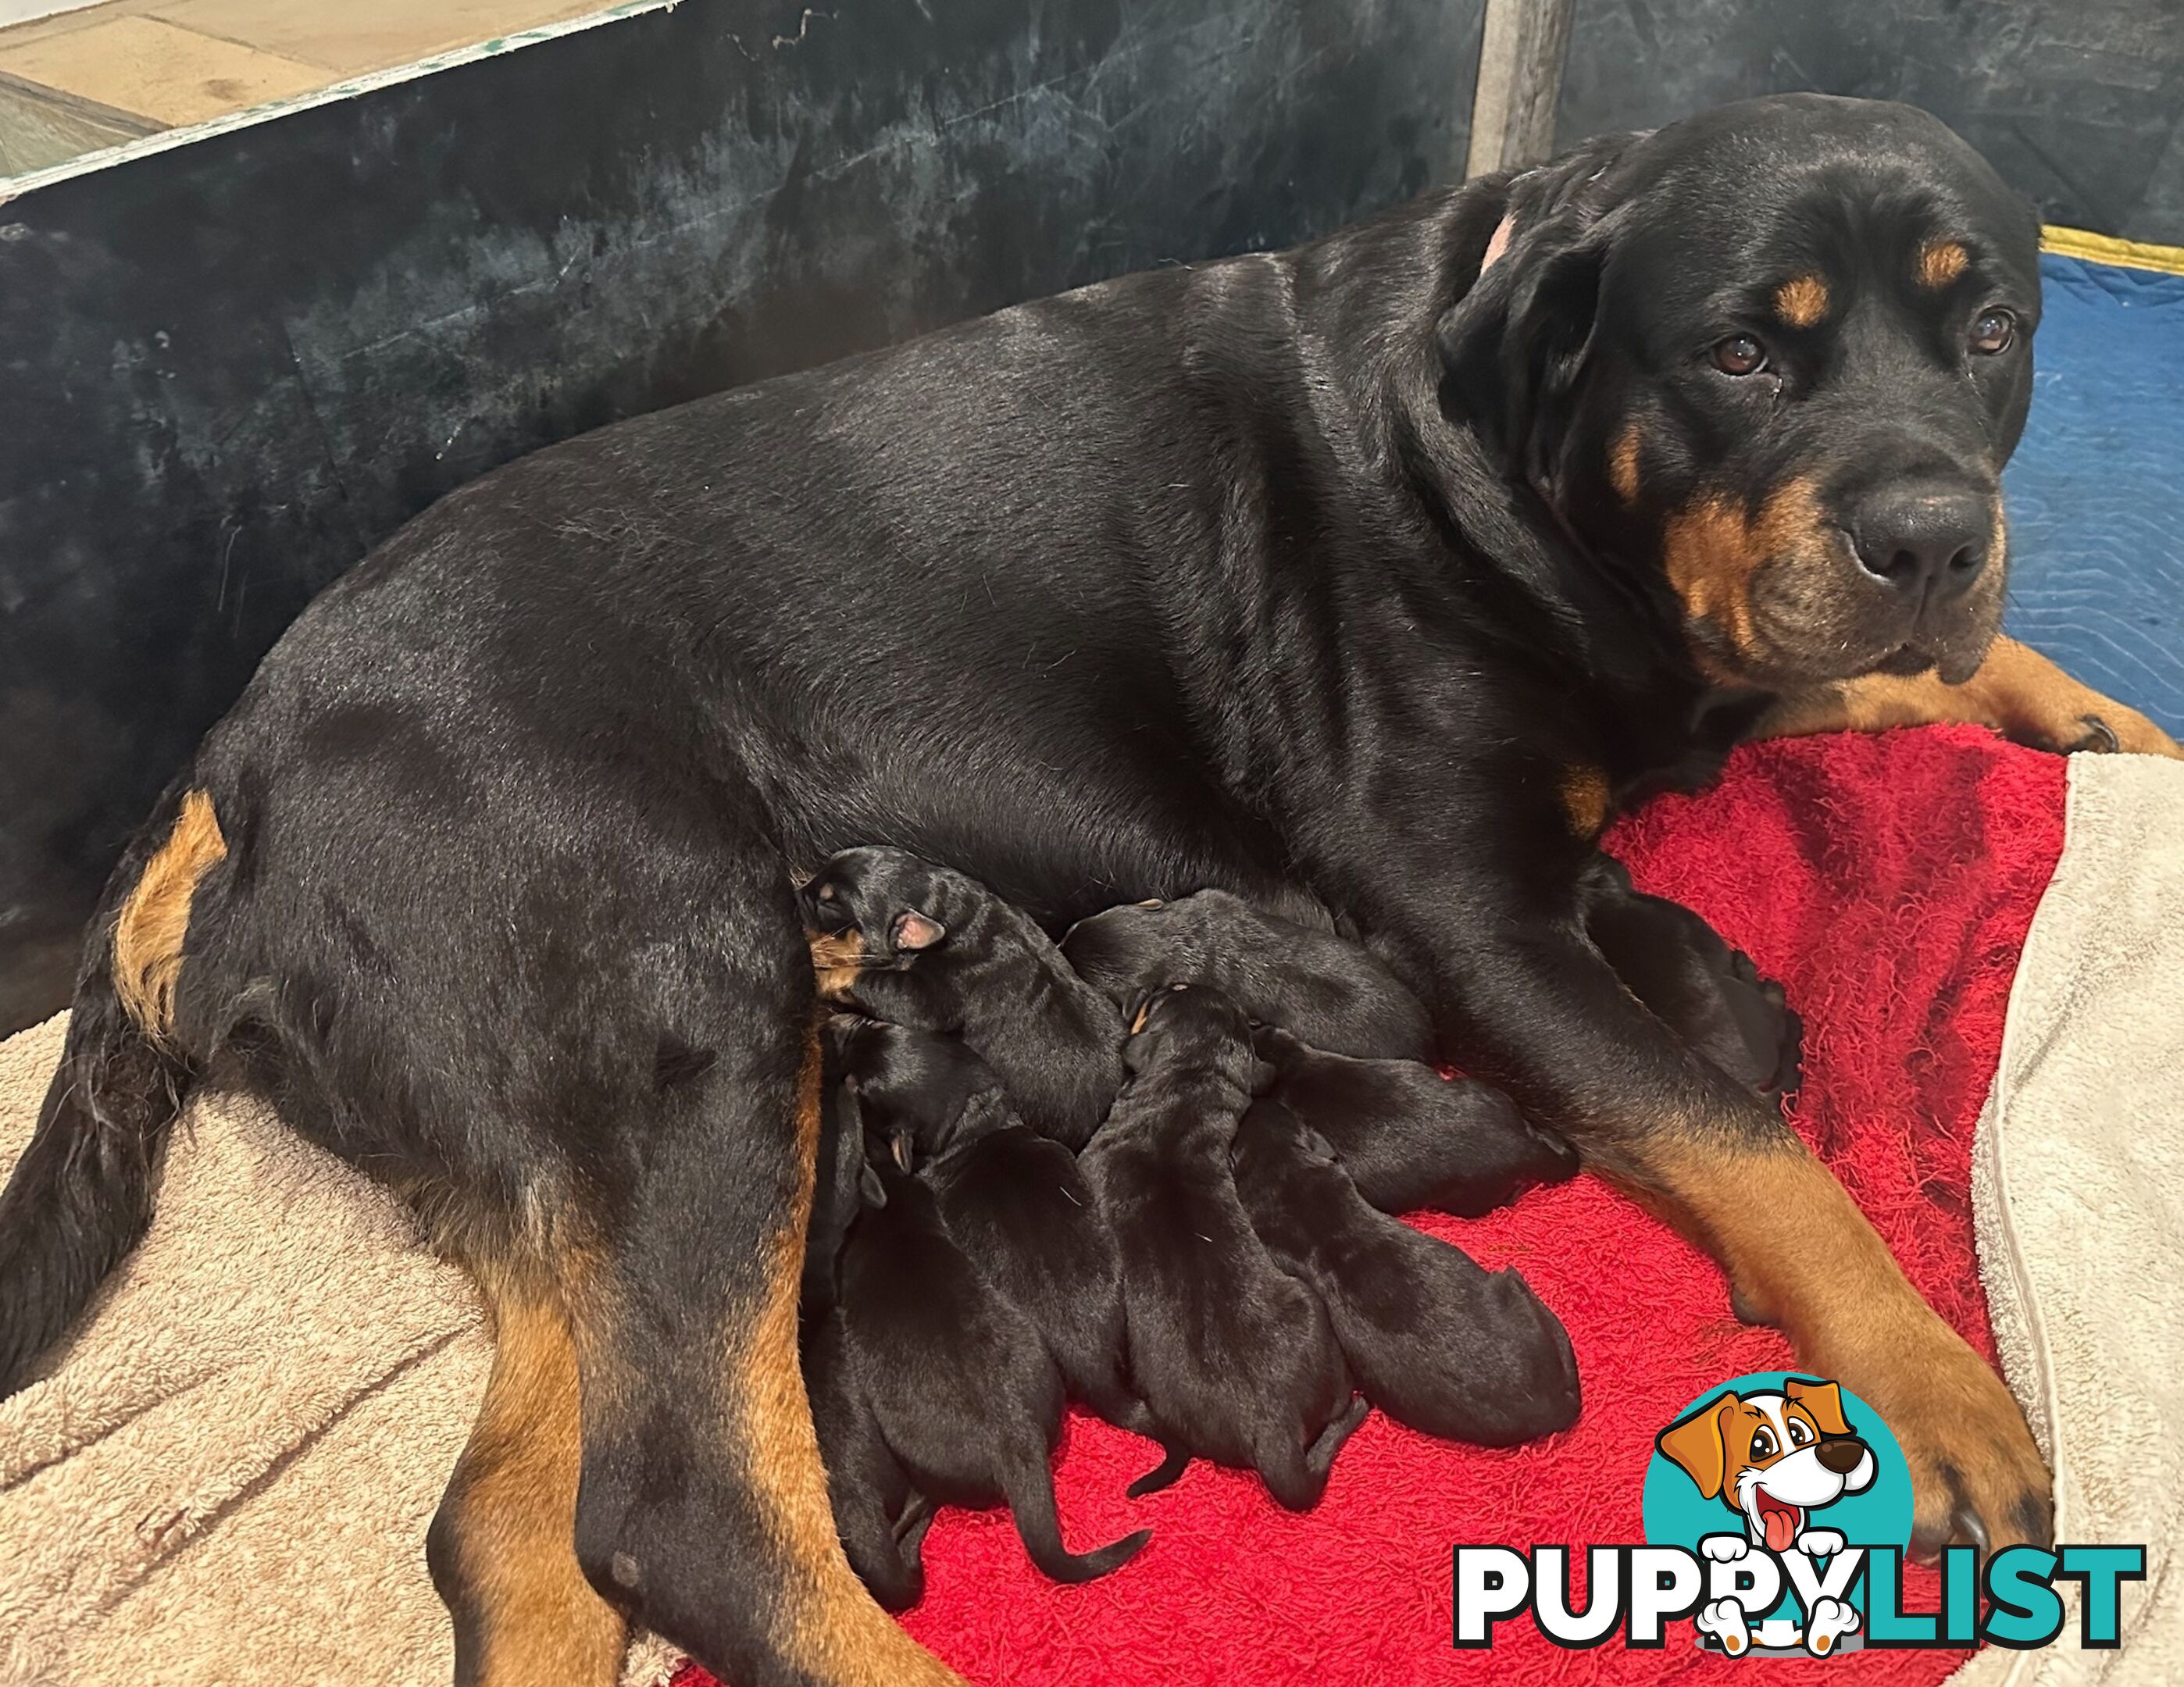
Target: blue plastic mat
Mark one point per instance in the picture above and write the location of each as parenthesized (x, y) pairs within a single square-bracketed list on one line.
[(2096, 492)]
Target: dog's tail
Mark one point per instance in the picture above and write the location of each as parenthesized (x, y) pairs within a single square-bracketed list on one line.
[(80, 1196), (1030, 1493)]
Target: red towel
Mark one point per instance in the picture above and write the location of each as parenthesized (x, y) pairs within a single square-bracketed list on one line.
[(1888, 882)]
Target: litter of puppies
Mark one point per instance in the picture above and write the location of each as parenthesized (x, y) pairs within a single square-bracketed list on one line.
[(1150, 1168)]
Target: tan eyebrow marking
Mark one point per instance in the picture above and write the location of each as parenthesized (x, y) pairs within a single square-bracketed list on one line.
[(1801, 301), (1941, 261)]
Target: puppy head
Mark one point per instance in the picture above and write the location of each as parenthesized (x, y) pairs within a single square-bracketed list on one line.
[(873, 907), (1772, 1458), (1772, 359), (1181, 1024), (1112, 949)]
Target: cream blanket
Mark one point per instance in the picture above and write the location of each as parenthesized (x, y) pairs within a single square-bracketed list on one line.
[(227, 1476), (2078, 1184)]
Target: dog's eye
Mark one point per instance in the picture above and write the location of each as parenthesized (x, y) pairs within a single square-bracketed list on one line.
[(1762, 1444), (1739, 354), (1996, 331), (1799, 1435)]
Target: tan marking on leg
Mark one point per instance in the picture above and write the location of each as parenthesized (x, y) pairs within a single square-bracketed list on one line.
[(510, 1513), (148, 933), (1796, 1249), (1623, 463), (1801, 301), (829, 1626), (2017, 691), (1941, 262), (1585, 799)]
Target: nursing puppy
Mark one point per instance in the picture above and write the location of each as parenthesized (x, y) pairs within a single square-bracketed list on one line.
[(880, 1518), (959, 1383), (904, 940), (1233, 1356), (1433, 1339), (1410, 1139), (1331, 993), (1013, 1199), (1709, 993)]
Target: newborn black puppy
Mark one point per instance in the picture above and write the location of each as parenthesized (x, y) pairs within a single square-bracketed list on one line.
[(880, 1518), (1014, 1201), (1408, 1138), (1433, 1339), (961, 1387), (836, 1197), (1709, 993), (1332, 993), (904, 940), (1233, 1356)]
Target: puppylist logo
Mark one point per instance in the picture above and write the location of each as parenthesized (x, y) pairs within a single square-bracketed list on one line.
[(1777, 1513)]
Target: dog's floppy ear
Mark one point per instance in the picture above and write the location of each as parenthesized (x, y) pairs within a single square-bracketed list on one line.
[(1513, 348), (1823, 1400), (869, 1184), (913, 931), (1695, 1442)]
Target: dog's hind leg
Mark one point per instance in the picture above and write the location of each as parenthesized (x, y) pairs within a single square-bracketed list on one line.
[(503, 1549), (1297, 1476)]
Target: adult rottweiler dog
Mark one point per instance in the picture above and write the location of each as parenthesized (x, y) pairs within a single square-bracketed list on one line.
[(1363, 581)]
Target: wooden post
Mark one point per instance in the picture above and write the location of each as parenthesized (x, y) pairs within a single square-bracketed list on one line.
[(1521, 53)]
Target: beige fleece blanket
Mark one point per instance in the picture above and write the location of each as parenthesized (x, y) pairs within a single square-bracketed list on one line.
[(2078, 1185), (227, 1476)]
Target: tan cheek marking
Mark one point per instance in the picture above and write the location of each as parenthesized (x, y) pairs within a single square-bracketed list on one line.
[(835, 958), (147, 935), (1711, 550), (1801, 302), (1623, 463), (1941, 262), (1585, 799), (832, 1629)]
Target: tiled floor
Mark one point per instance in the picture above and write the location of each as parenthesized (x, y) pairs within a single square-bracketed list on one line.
[(92, 78)]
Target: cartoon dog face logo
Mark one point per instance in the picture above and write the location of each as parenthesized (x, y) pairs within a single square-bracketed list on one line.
[(1774, 1459)]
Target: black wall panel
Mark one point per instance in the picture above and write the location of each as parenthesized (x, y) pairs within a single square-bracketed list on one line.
[(2078, 102), (225, 370)]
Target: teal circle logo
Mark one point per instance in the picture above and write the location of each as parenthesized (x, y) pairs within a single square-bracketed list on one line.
[(1788, 1468)]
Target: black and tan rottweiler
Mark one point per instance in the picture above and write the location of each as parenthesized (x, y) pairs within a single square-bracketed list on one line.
[(1430, 1337), (921, 945), (1365, 581), (1232, 1356)]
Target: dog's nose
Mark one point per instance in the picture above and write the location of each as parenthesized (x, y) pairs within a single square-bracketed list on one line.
[(1841, 1453), (1928, 539)]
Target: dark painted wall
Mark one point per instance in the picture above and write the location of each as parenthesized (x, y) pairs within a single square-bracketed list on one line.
[(2079, 103), (227, 371)]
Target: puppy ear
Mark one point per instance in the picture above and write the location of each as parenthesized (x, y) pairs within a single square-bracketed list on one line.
[(1696, 1444), (1823, 1400), (875, 1192), (899, 1147), (913, 931)]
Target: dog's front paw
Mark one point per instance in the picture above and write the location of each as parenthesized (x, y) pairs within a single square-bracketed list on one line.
[(1723, 1619), (1831, 1619), (1724, 1549), (1976, 1477), (1820, 1543)]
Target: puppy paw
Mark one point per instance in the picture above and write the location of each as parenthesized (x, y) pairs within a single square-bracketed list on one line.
[(1723, 1619), (1724, 1549), (1831, 1619), (1820, 1543)]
